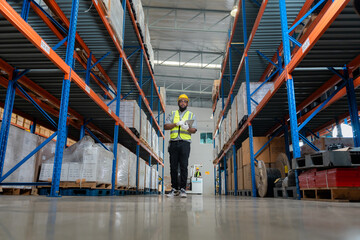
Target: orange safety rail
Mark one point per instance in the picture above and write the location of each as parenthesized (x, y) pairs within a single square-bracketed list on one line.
[(237, 75), (143, 48), (56, 10), (227, 51), (126, 62)]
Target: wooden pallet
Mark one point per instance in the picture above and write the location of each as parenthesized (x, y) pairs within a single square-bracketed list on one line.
[(18, 191), (339, 194), (81, 184)]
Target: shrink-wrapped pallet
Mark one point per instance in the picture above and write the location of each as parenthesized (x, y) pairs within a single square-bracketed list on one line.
[(129, 112), (257, 97), (147, 176), (123, 156), (94, 161), (141, 174), (132, 170)]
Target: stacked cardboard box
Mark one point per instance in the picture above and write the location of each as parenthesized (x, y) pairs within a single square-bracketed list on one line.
[(115, 14), (257, 96), (215, 89), (83, 160), (268, 155)]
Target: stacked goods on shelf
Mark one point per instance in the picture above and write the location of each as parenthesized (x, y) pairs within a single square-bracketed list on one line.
[(129, 112), (123, 164), (163, 94), (140, 16), (338, 177), (20, 143), (85, 161), (222, 182), (257, 97), (132, 170), (234, 115), (240, 171), (148, 178), (142, 170), (148, 133), (143, 126), (148, 46), (154, 181), (114, 14), (268, 155), (215, 89), (230, 172), (324, 144)]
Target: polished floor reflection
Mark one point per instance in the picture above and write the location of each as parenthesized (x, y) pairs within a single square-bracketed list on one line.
[(156, 217)]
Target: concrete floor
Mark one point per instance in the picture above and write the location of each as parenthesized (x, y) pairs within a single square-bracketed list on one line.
[(156, 217)]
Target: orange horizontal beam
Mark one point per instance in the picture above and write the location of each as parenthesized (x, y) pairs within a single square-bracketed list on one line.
[(251, 38), (227, 51), (126, 62), (15, 19), (54, 7)]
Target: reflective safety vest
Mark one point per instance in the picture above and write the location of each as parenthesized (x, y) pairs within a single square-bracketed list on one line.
[(174, 133)]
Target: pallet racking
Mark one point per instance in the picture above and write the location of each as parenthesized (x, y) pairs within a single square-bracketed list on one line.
[(50, 49), (318, 61)]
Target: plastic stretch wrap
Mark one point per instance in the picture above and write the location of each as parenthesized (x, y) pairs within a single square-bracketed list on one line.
[(144, 125), (257, 96), (154, 183), (141, 174), (115, 15), (129, 112), (94, 162), (147, 176), (132, 170), (20, 144), (123, 155)]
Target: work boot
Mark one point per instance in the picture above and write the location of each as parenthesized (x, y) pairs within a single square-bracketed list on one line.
[(172, 193), (183, 193)]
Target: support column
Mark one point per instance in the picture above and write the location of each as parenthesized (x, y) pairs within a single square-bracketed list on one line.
[(61, 139), (290, 89), (6, 120), (248, 93), (353, 110), (140, 104), (33, 127)]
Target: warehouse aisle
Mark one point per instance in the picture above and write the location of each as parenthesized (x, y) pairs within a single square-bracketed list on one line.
[(139, 217)]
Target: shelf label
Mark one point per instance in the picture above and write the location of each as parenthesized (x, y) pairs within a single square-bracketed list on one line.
[(87, 89), (114, 38), (305, 45), (45, 47), (109, 110), (96, 2)]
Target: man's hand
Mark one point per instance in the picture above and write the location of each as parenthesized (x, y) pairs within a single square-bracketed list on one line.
[(185, 126), (180, 123)]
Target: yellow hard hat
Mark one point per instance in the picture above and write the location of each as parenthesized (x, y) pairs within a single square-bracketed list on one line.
[(197, 168), (183, 96)]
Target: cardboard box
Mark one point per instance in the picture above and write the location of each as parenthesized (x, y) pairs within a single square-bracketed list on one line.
[(230, 165), (247, 177), (240, 178), (239, 161), (277, 146), (258, 142)]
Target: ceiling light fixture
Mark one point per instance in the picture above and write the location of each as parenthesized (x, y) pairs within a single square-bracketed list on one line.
[(234, 11)]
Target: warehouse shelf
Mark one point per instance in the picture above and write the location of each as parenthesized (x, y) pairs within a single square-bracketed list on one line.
[(49, 68), (313, 83)]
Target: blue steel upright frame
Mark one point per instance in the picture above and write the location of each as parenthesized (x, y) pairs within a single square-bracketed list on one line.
[(248, 95), (61, 140), (290, 88)]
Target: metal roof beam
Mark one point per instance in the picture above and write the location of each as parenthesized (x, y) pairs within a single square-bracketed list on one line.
[(189, 9)]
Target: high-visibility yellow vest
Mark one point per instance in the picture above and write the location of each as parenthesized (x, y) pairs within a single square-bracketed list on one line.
[(184, 134)]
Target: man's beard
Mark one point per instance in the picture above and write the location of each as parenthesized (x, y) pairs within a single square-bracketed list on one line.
[(182, 108)]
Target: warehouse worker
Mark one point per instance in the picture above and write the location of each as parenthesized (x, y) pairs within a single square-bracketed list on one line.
[(179, 145), (197, 173)]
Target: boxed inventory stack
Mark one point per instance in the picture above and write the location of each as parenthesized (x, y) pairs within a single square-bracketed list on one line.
[(140, 16), (115, 13), (257, 96), (132, 170), (85, 161), (20, 144), (268, 155), (129, 113)]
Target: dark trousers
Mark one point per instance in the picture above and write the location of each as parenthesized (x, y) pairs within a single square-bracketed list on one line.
[(179, 156)]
